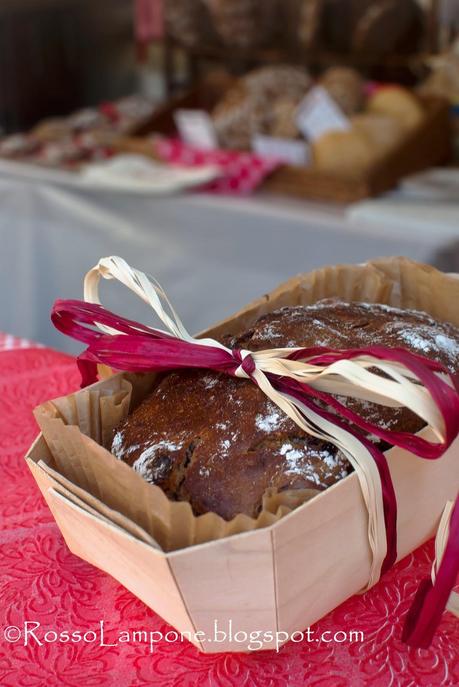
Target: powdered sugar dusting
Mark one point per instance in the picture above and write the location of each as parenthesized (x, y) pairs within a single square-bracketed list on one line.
[(267, 423), (209, 382), (414, 339), (297, 463), (291, 453), (117, 444), (328, 459), (389, 308), (120, 451), (269, 331), (271, 420), (426, 338), (225, 444), (145, 464), (447, 345)]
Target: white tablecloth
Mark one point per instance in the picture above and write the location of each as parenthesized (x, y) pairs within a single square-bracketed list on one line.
[(212, 255)]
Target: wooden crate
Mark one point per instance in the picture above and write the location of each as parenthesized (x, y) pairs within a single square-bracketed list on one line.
[(426, 146)]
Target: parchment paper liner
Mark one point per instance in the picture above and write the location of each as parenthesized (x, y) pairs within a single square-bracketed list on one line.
[(76, 429), (78, 426)]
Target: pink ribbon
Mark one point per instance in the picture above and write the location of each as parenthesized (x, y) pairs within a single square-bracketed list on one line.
[(144, 349)]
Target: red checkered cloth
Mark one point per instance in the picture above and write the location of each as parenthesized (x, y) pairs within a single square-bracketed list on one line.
[(242, 172)]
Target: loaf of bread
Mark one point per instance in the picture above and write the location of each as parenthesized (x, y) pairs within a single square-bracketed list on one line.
[(349, 152), (397, 102), (219, 443), (262, 102), (346, 87), (383, 131), (244, 24), (387, 119), (371, 27), (388, 26)]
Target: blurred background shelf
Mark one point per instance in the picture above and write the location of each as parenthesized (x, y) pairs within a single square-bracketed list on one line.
[(387, 40), (57, 55), (71, 62)]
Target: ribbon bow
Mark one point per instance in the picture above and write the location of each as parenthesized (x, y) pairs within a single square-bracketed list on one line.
[(299, 381)]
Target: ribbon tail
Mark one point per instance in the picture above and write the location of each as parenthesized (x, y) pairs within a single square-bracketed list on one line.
[(431, 599), (87, 366), (411, 634), (359, 451)]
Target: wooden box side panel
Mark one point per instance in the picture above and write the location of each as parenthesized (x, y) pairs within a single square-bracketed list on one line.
[(143, 570), (138, 566), (230, 581), (321, 551), (321, 555), (422, 488)]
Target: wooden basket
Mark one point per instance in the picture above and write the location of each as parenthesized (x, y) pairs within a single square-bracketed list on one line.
[(276, 580), (426, 146)]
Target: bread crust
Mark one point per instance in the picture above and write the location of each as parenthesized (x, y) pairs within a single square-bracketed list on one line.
[(220, 443)]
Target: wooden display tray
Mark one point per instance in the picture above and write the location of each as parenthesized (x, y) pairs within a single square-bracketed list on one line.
[(426, 146)]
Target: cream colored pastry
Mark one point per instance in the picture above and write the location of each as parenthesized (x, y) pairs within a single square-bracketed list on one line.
[(397, 102), (443, 79), (344, 152), (384, 131), (51, 129)]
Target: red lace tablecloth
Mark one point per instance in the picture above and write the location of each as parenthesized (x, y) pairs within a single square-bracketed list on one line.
[(42, 581)]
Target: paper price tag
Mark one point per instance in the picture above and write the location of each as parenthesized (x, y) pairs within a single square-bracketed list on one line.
[(196, 128), (318, 113), (290, 151)]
